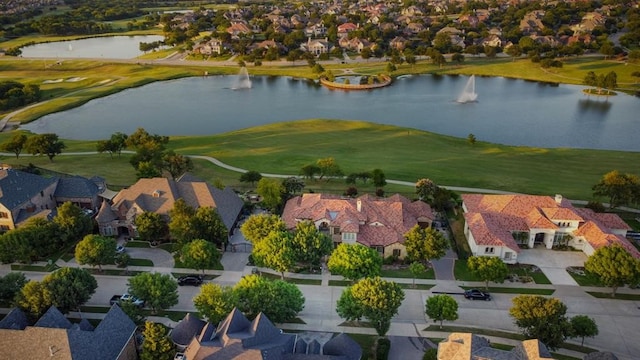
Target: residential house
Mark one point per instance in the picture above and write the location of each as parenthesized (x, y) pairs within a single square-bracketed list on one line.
[(398, 43), (413, 28), (238, 28), (158, 195), (53, 336), (316, 30), (472, 20), (379, 223), (589, 22), (317, 46), (355, 44), (213, 46), (498, 225), (532, 22), (238, 338), (467, 346), (346, 28), (24, 195)]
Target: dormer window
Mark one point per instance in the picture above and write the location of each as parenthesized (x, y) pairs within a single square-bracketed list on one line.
[(156, 193)]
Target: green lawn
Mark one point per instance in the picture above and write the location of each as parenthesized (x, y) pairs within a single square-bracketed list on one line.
[(140, 262), (406, 274), (518, 290), (607, 295), (138, 244), (285, 147), (292, 280), (586, 280), (340, 283)]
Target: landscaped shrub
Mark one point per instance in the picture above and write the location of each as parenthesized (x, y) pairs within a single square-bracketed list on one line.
[(383, 346), (431, 354)]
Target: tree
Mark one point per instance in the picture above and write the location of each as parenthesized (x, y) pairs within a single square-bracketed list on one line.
[(279, 300), (200, 255), (44, 144), (95, 250), (583, 326), (214, 301), (133, 311), (180, 223), (607, 49), (147, 170), (73, 224), (156, 345), (309, 244), (258, 226), (416, 269), (159, 291), (271, 191), (207, 224), (621, 189), (34, 299), (118, 142), (426, 189), (310, 171), (11, 285), (614, 266), (541, 318), (151, 226), (611, 80), (471, 139), (355, 261), (15, 144), (328, 168), (514, 51), (176, 164), (250, 176), (425, 244), (488, 268), (590, 79), (441, 307), (376, 299), (379, 179), (276, 252), (292, 185), (70, 287)]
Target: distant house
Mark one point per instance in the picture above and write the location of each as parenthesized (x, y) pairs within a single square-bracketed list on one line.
[(158, 195), (213, 46), (379, 223), (398, 43), (466, 346), (53, 336), (532, 22), (238, 338), (24, 195), (346, 28), (317, 46), (238, 28), (498, 225)]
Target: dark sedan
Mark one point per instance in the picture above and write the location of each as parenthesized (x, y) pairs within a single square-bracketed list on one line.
[(194, 280), (475, 294)]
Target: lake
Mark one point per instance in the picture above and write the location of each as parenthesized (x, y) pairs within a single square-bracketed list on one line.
[(114, 47), (507, 111)]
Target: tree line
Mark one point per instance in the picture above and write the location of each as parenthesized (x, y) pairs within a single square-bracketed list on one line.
[(14, 94)]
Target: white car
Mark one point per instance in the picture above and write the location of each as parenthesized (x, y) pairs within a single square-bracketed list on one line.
[(133, 299), (120, 249)]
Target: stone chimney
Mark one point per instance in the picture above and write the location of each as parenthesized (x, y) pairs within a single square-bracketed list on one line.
[(558, 199), (359, 205)]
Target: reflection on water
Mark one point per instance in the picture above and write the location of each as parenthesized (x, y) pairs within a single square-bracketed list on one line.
[(591, 105), (511, 112)]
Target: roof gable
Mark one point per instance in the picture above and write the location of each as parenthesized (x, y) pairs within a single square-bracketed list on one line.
[(18, 187)]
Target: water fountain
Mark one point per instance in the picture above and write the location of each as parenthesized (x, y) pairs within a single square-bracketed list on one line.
[(469, 93), (242, 80)]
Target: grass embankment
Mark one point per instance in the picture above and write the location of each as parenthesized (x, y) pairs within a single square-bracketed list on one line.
[(283, 148)]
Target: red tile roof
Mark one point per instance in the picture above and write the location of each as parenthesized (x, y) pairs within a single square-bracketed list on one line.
[(493, 218), (377, 221)]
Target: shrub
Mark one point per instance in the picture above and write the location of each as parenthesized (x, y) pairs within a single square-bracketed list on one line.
[(351, 191), (431, 354), (379, 192), (382, 349)]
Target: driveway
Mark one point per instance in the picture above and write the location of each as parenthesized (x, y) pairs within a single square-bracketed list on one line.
[(406, 348), (161, 258), (554, 263)]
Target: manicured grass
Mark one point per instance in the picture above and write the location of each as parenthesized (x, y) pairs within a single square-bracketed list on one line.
[(502, 346), (137, 244), (586, 280), (173, 315), (284, 148), (140, 262), (519, 290), (179, 265), (292, 280), (340, 283), (538, 276), (406, 274), (367, 343), (461, 272), (607, 295), (38, 268), (95, 309), (67, 256), (362, 324), (416, 287)]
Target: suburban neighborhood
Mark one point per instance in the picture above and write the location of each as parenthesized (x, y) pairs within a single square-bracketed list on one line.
[(319, 238)]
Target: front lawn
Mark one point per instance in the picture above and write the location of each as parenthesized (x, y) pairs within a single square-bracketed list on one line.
[(292, 280), (607, 295), (138, 244), (406, 274), (140, 262), (515, 290)]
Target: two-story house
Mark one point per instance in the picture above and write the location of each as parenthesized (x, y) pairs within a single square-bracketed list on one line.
[(379, 223)]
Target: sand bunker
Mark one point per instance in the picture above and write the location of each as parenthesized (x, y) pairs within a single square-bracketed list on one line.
[(75, 79), (53, 81)]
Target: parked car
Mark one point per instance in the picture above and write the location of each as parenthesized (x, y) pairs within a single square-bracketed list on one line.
[(194, 280), (133, 299), (475, 294), (120, 249), (179, 356)]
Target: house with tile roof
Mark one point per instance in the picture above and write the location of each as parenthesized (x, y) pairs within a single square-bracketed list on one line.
[(467, 346), (499, 225), (238, 338), (379, 223), (53, 336), (24, 195), (158, 195)]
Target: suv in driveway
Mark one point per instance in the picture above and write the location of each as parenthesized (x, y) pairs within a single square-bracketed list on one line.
[(475, 294), (194, 280)]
